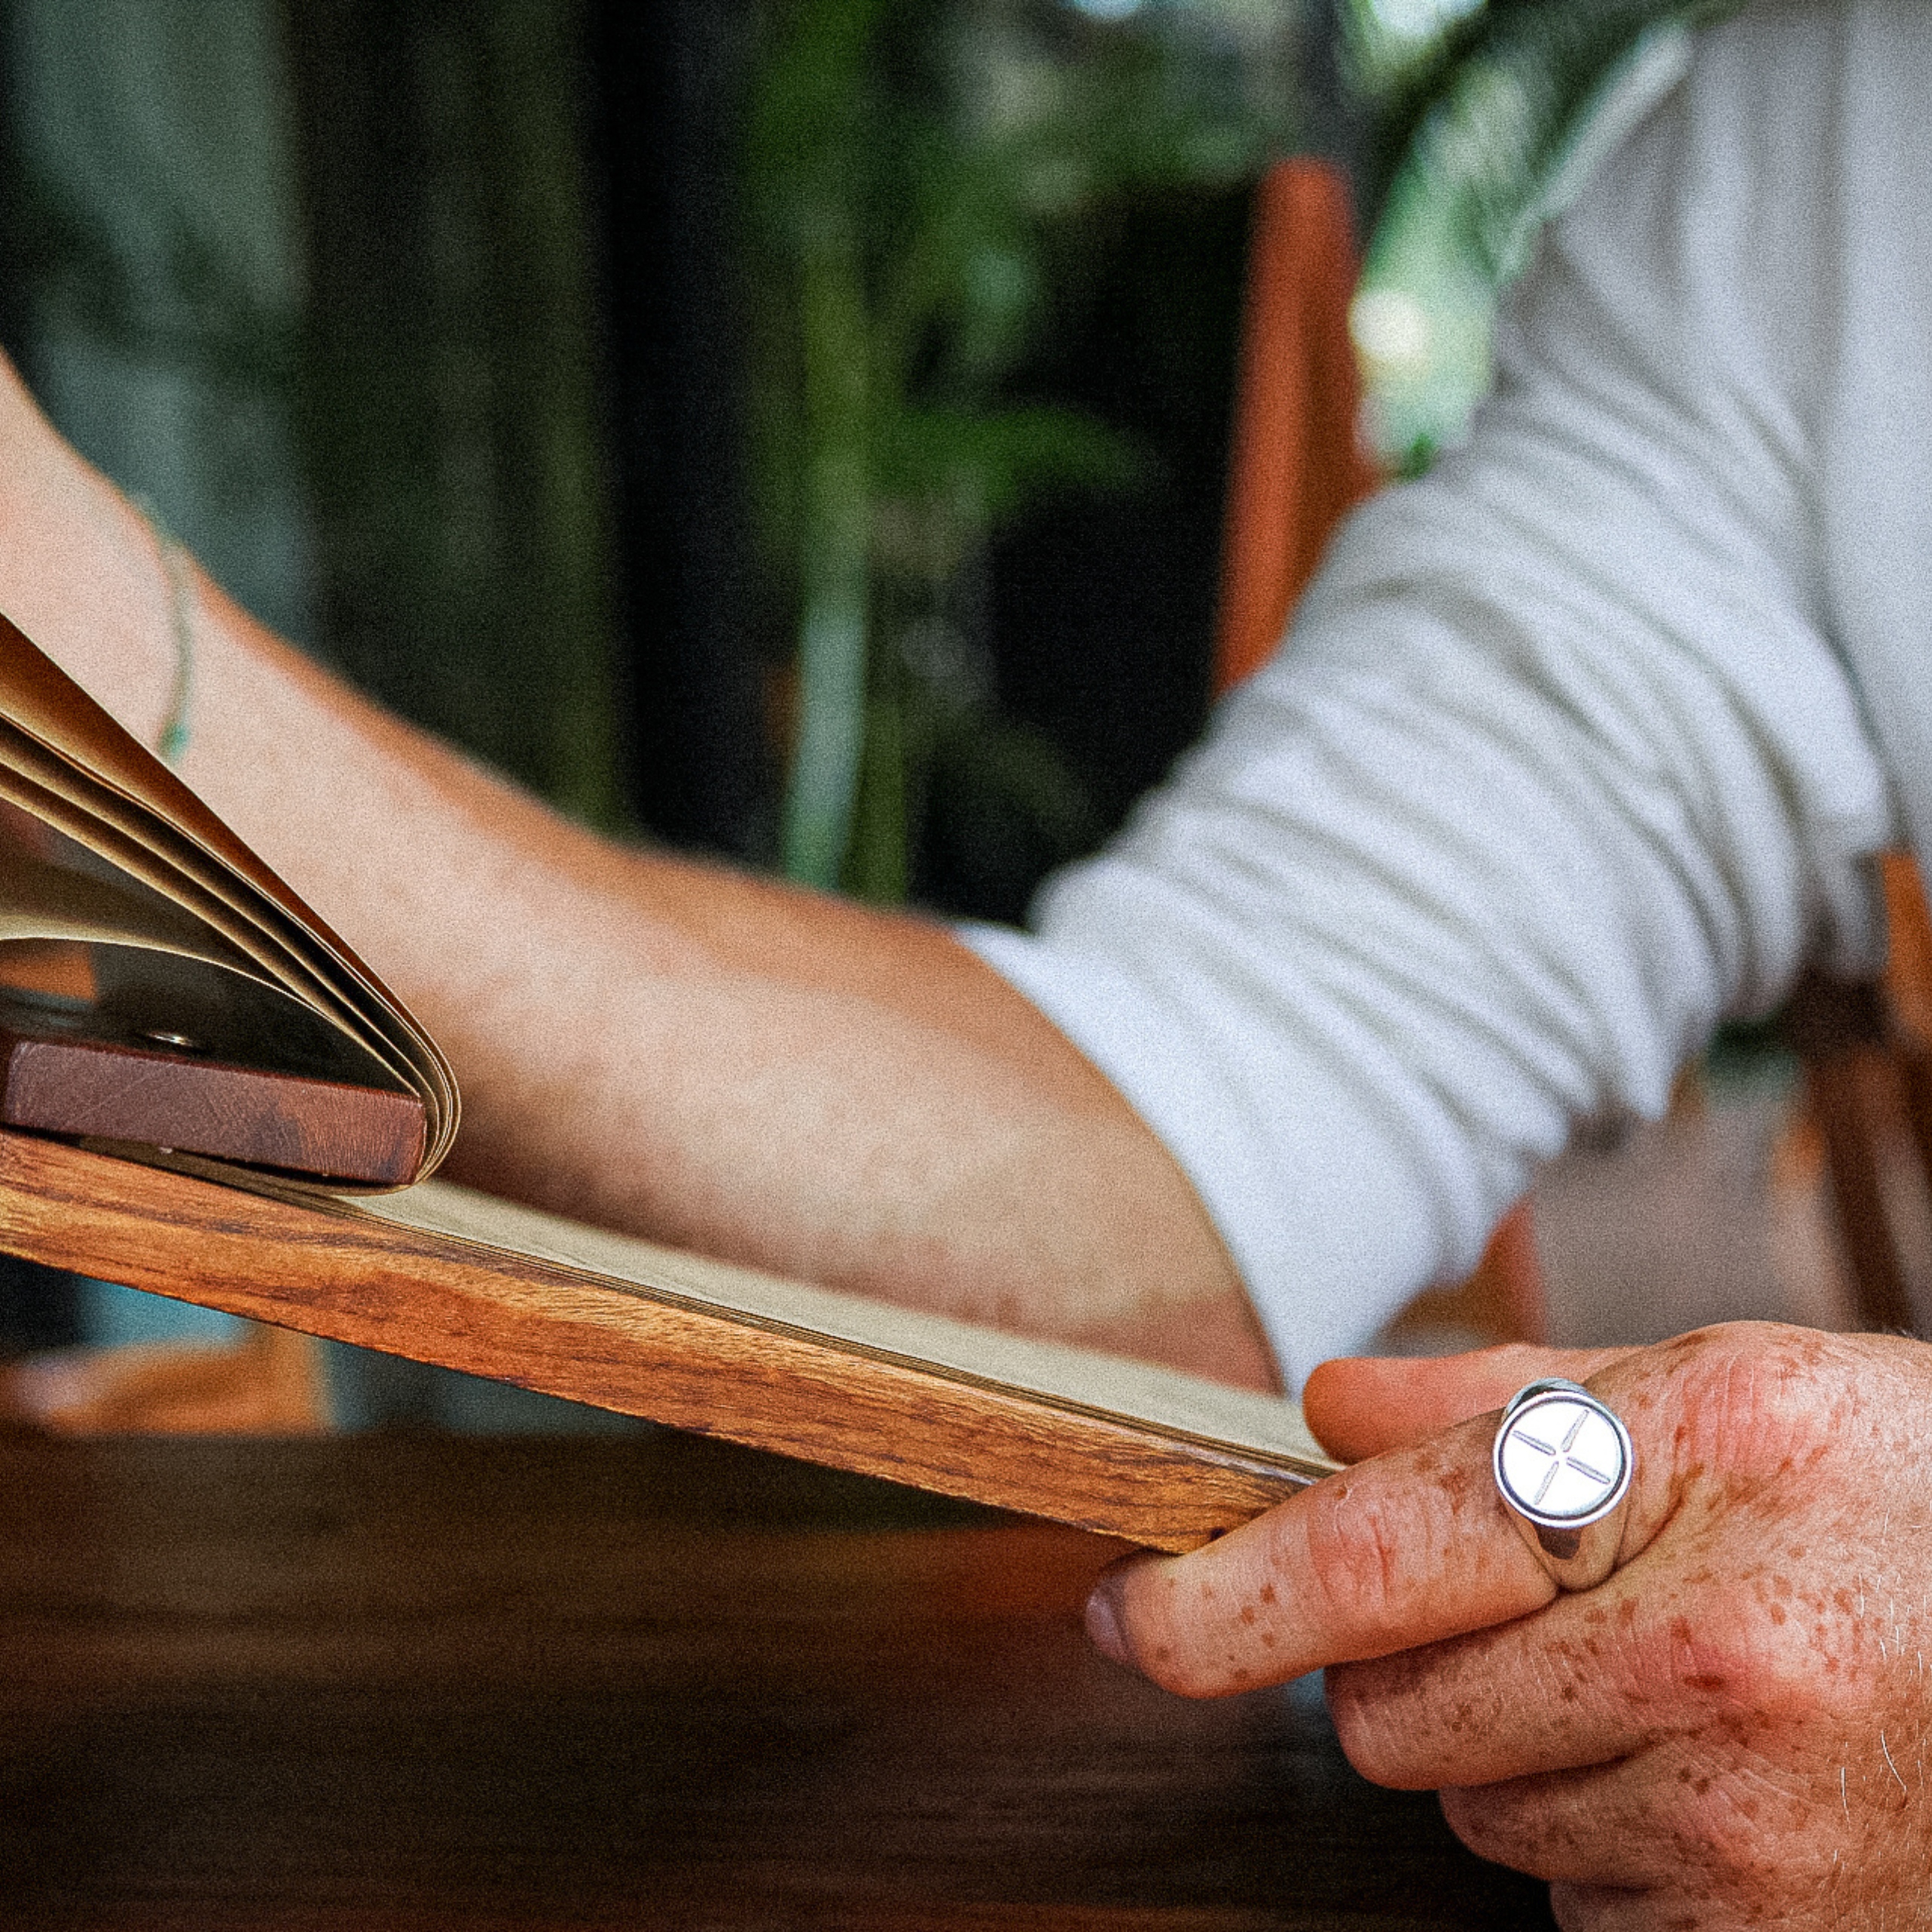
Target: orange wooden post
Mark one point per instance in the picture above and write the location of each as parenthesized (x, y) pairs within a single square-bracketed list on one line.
[(1296, 468), (1909, 951), (1509, 1278), (1909, 986)]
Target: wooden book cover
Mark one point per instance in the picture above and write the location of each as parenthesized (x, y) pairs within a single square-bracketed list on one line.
[(202, 1092)]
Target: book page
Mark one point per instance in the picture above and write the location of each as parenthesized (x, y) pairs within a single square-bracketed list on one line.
[(1184, 1406), (66, 763)]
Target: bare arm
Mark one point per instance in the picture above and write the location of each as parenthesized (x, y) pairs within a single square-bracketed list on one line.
[(721, 1062)]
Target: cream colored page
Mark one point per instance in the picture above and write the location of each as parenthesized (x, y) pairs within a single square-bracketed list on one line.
[(40, 901), (151, 853), (53, 735), (1175, 1404)]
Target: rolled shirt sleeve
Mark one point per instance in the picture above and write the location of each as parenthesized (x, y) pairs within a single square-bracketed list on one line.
[(1558, 766)]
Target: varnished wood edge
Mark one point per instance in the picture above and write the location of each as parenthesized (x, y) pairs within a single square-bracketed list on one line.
[(491, 1259), (871, 1412)]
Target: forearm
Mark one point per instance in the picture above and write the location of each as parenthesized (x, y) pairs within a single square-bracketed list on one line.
[(724, 1063)]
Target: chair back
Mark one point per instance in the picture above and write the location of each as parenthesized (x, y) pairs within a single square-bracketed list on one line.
[(1866, 1051), (1296, 466)]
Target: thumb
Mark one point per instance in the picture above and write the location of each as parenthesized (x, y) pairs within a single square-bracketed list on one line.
[(1363, 1406)]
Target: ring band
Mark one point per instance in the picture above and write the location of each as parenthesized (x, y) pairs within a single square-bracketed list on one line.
[(1563, 1464)]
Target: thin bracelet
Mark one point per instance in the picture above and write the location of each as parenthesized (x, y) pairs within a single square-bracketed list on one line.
[(172, 742)]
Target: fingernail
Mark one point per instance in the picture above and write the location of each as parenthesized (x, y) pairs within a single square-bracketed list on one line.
[(1104, 1628)]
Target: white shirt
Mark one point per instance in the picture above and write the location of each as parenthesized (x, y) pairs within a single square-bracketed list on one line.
[(1579, 745)]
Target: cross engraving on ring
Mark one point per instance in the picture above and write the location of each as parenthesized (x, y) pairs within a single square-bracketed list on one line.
[(1562, 1457)]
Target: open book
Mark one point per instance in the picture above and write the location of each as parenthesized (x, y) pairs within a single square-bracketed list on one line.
[(203, 1092)]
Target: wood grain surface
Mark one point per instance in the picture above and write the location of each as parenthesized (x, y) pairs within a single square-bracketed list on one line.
[(329, 1270), (53, 1081), (423, 1685)]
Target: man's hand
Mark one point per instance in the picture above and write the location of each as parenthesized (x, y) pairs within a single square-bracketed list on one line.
[(1732, 1730)]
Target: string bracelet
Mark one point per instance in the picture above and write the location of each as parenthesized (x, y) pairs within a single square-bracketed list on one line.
[(171, 743)]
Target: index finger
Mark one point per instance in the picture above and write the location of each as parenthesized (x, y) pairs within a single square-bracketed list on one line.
[(1405, 1550), (1360, 1405)]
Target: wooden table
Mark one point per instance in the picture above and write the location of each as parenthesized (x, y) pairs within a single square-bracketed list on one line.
[(417, 1682)]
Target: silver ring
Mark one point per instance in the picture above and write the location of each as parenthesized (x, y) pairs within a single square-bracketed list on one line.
[(1563, 1464)]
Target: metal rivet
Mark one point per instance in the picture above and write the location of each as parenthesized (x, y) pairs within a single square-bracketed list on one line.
[(181, 1042)]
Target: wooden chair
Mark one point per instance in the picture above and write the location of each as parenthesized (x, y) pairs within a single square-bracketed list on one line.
[(269, 1381), (1297, 468), (1866, 1051)]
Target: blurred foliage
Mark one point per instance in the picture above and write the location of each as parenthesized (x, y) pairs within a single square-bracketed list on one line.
[(425, 356), (925, 179), (921, 179), (209, 318), (448, 387), (154, 278), (1488, 118)]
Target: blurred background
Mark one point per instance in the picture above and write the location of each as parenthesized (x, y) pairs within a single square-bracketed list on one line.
[(799, 430)]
